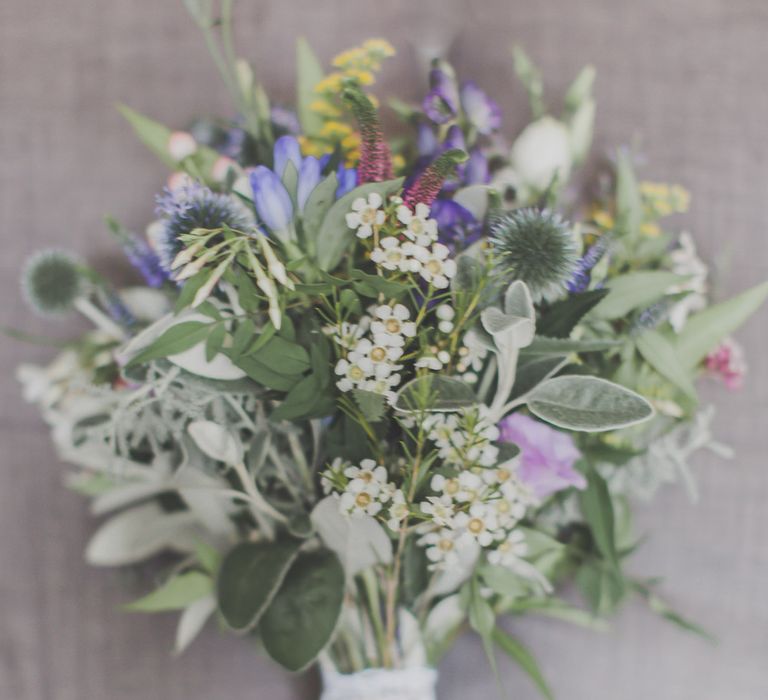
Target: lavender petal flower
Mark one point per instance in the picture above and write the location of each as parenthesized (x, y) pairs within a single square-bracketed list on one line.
[(482, 112), (272, 201)]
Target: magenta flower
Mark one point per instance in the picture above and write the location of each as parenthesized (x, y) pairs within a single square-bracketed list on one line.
[(548, 455), (727, 362)]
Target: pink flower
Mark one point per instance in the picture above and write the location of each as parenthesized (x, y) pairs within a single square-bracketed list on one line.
[(548, 455), (727, 362)]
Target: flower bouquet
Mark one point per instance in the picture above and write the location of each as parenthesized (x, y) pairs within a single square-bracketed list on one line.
[(372, 393)]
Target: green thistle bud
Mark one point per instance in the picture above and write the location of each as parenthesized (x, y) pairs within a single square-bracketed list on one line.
[(52, 280), (535, 247)]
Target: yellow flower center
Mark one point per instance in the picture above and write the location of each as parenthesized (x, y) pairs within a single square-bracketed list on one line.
[(445, 545), (378, 354), (392, 325), (355, 373), (434, 266), (502, 475), (416, 226), (451, 487), (368, 216), (363, 500), (476, 526)]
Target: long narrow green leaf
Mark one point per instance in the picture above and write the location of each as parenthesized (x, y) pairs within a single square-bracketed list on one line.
[(662, 355), (175, 594), (309, 73), (516, 651)]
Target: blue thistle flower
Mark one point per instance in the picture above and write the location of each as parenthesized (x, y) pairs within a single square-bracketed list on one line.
[(190, 207), (52, 281), (534, 246)]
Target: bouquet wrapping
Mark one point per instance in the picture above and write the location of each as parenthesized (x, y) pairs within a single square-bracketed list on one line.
[(372, 393)]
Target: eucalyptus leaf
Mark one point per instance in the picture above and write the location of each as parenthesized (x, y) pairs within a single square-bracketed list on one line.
[(192, 621), (589, 404), (302, 617), (249, 578)]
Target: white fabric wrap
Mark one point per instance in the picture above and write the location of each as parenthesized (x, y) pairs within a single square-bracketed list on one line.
[(416, 683)]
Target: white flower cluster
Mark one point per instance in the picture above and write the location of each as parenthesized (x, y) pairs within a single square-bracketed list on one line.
[(365, 490), (481, 504), (472, 356), (373, 347), (414, 250)]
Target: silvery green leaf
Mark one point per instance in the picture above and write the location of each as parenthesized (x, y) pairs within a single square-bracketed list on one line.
[(534, 370), (580, 89), (359, 542), (434, 392), (518, 301), (542, 345), (191, 622), (216, 441), (213, 513), (127, 493), (140, 533), (587, 404), (662, 355)]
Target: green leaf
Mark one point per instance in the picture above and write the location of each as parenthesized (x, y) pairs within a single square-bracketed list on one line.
[(372, 405), (249, 578), (469, 274), (629, 204), (634, 290), (603, 588), (704, 330), (533, 370), (318, 203), (559, 610), (434, 392), (335, 237), (580, 90), (265, 376), (215, 341), (283, 356), (661, 354), (587, 404), (597, 508), (516, 651), (309, 73), (563, 316), (208, 556), (175, 594), (504, 581), (374, 285), (481, 616), (662, 608), (302, 617), (176, 339), (242, 337), (303, 400)]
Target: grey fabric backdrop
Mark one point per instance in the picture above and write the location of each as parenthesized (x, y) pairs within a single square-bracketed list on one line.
[(685, 77)]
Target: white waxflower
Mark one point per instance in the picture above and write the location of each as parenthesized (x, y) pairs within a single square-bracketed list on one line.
[(392, 325), (442, 547), (352, 373), (398, 511), (471, 487), (367, 475), (541, 153), (383, 386), (445, 315), (417, 222), (381, 358), (686, 262), (443, 428), (430, 362), (436, 267), (394, 255), (362, 502), (348, 334), (510, 551), (365, 214), (480, 522), (439, 509)]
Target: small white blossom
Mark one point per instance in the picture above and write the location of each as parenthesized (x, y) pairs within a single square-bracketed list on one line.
[(510, 551), (398, 511), (417, 223), (348, 334), (445, 315), (394, 255), (439, 511), (352, 373), (436, 267), (366, 214), (480, 523), (391, 324), (443, 548)]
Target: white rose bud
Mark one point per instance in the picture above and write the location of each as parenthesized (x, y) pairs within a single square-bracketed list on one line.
[(541, 152)]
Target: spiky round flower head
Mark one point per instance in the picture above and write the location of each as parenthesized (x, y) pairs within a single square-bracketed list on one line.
[(534, 246), (194, 206), (52, 280)]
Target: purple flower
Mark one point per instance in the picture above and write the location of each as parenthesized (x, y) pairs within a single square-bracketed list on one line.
[(476, 170), (482, 112), (548, 455), (286, 150), (309, 177), (272, 201), (347, 178), (581, 277), (457, 227), (285, 119), (144, 259), (426, 140), (442, 102)]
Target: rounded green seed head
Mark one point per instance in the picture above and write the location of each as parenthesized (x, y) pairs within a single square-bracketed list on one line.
[(52, 281)]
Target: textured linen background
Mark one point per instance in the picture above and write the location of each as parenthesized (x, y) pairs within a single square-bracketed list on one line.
[(686, 77)]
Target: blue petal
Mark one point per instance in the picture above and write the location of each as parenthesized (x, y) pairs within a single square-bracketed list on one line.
[(309, 177), (272, 201), (347, 180), (476, 168), (426, 140), (287, 149), (483, 112)]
